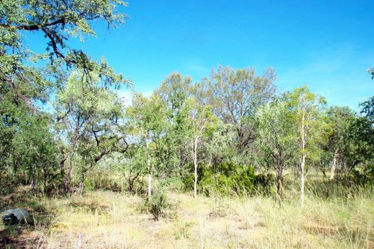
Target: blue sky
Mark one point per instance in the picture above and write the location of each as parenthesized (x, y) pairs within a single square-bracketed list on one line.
[(327, 45)]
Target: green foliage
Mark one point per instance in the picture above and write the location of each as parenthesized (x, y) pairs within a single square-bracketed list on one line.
[(156, 205), (32, 147), (88, 184), (59, 21), (28, 150), (225, 178), (277, 140), (361, 176), (234, 97)]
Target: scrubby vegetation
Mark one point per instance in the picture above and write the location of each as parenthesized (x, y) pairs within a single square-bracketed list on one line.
[(228, 161)]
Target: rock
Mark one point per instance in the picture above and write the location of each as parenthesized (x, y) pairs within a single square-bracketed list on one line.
[(15, 216)]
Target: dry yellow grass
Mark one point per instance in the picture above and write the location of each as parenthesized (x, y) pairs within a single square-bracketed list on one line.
[(113, 220)]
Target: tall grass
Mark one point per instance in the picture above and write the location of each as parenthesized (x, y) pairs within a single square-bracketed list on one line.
[(104, 219)]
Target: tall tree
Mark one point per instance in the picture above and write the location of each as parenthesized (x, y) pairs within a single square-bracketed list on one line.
[(340, 119), (308, 110), (276, 138), (174, 92), (199, 118), (235, 96), (29, 79), (147, 117), (88, 119)]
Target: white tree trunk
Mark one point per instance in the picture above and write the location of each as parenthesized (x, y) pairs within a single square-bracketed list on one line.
[(149, 179), (333, 168), (194, 149), (149, 173), (302, 178), (303, 153)]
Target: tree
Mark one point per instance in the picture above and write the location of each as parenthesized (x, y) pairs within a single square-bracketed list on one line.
[(148, 125), (235, 96), (58, 21), (27, 79), (308, 110), (361, 135), (90, 124), (276, 138), (340, 120), (199, 117), (174, 92)]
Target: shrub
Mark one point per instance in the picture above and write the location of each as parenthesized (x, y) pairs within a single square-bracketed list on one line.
[(361, 176), (156, 205), (225, 178)]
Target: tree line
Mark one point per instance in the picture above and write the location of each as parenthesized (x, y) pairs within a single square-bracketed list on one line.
[(62, 115)]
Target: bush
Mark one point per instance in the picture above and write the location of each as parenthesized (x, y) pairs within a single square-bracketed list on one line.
[(225, 178), (156, 205), (98, 180), (361, 176)]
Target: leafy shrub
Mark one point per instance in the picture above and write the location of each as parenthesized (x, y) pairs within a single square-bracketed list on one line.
[(88, 184), (361, 176), (225, 178), (264, 182), (156, 205), (102, 180)]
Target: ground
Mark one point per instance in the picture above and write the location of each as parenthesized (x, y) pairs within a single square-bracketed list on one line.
[(103, 219)]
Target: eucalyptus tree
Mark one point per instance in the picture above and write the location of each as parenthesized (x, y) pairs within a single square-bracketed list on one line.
[(235, 96), (339, 144), (200, 119), (89, 115), (174, 92), (147, 118), (308, 110), (277, 140)]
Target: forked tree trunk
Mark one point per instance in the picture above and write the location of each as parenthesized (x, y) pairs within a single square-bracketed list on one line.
[(334, 164)]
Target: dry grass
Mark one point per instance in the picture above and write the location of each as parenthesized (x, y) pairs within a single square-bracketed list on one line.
[(113, 220)]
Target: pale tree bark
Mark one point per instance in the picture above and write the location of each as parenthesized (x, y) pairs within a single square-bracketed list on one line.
[(303, 157), (149, 180), (149, 173), (194, 156), (334, 164)]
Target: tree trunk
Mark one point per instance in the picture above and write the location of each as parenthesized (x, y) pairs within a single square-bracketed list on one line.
[(194, 154), (149, 179), (71, 154), (280, 182), (68, 176), (302, 178), (303, 157), (334, 163)]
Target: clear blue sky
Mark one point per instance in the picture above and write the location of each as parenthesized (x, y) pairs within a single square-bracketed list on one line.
[(327, 45)]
